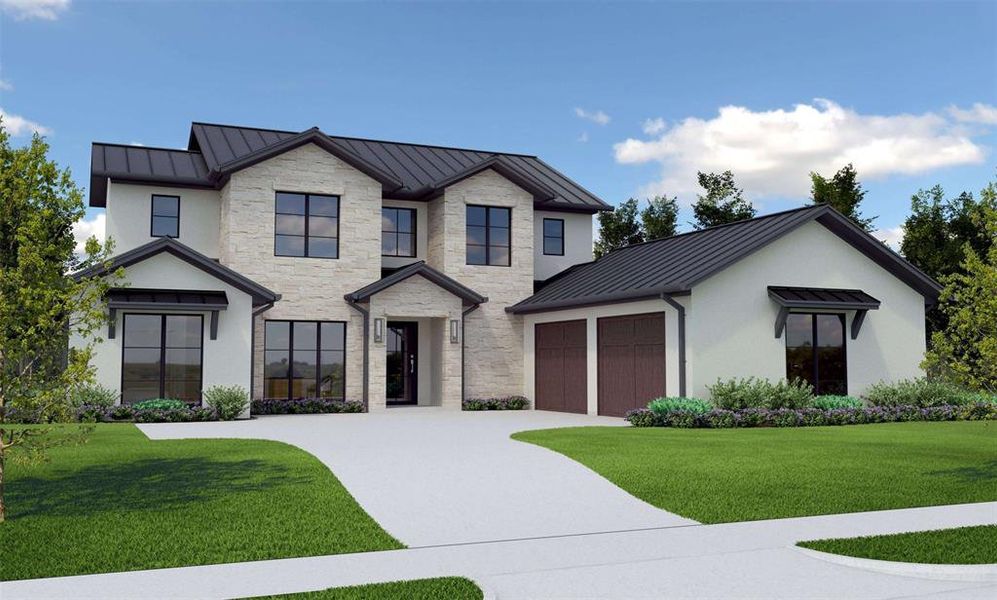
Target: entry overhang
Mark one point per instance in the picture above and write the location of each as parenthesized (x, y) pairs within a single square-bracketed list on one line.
[(166, 300), (816, 299)]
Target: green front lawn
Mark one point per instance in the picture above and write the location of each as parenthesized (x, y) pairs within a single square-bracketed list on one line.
[(122, 502), (722, 475), (961, 546), (451, 588)]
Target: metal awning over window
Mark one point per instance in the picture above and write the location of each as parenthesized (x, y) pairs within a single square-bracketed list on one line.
[(166, 301), (818, 299)]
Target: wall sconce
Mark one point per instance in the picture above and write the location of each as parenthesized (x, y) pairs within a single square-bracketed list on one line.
[(454, 331), (378, 330)]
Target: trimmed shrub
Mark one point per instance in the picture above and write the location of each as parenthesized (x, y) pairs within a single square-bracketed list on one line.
[(228, 401), (832, 402), (784, 417), (917, 392), (305, 406), (979, 411), (684, 419), (122, 412), (94, 396), (720, 419), (739, 394), (506, 403), (203, 413), (642, 417), (160, 404), (663, 406)]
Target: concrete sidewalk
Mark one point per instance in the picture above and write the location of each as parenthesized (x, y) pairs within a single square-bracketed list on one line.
[(737, 560)]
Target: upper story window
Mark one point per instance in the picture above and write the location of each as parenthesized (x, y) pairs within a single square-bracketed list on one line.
[(488, 235), (165, 216), (397, 231), (306, 225), (554, 237)]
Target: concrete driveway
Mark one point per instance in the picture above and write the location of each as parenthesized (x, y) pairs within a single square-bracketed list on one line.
[(433, 477)]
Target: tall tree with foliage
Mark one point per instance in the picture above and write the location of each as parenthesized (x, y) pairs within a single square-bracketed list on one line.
[(722, 202), (965, 350), (659, 218), (618, 228), (843, 192), (41, 304)]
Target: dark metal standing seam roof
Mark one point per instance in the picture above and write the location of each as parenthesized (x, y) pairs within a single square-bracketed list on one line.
[(449, 284), (414, 170), (808, 297), (675, 264), (153, 298)]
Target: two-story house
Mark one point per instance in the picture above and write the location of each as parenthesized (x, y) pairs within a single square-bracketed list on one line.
[(308, 265)]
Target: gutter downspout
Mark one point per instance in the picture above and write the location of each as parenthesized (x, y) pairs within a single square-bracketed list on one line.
[(366, 347), (463, 317), (252, 344), (681, 318)]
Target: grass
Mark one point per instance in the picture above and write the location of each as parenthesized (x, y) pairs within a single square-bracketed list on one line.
[(122, 502), (961, 546), (451, 588), (723, 475)]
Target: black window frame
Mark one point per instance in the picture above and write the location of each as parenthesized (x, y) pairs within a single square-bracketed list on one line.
[(162, 353), (307, 215), (488, 236), (544, 237), (413, 216), (290, 357), (816, 347), (153, 215)]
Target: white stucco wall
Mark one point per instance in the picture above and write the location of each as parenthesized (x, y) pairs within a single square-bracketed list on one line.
[(591, 315), (577, 243), (421, 234), (129, 216), (730, 329), (226, 360)]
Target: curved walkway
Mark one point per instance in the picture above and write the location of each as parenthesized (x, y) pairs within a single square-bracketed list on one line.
[(433, 477)]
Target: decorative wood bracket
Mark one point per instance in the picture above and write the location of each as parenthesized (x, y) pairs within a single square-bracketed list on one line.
[(780, 321), (857, 322), (214, 325), (112, 320)]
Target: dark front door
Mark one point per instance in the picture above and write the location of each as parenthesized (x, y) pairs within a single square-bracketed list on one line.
[(402, 362)]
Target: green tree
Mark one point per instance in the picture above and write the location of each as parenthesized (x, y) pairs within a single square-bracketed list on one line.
[(41, 304), (618, 228), (660, 217), (722, 203), (937, 230), (843, 192), (965, 350)]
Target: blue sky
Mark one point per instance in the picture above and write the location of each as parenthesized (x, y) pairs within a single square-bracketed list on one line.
[(628, 99)]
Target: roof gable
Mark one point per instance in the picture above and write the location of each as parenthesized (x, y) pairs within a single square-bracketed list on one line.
[(675, 264), (449, 284)]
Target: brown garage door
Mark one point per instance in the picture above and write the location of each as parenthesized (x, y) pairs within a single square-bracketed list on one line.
[(561, 366), (631, 362)]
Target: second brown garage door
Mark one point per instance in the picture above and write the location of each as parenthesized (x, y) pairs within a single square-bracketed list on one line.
[(561, 382), (631, 362)]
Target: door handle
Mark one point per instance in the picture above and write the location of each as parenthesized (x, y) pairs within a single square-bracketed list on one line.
[(411, 364)]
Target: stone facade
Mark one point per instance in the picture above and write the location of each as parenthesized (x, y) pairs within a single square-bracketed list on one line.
[(311, 288), (493, 338)]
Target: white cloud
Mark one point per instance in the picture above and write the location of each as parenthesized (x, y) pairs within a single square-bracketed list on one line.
[(772, 152), (978, 113), (21, 10), (584, 137), (596, 116), (893, 236), (653, 126), (6, 86), (17, 125), (84, 228)]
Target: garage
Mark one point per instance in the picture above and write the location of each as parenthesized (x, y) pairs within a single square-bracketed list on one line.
[(631, 362), (561, 366)]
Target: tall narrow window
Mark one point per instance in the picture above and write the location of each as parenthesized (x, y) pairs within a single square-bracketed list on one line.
[(815, 351), (397, 232), (306, 225), (161, 357), (488, 235), (165, 216), (304, 359), (554, 237)]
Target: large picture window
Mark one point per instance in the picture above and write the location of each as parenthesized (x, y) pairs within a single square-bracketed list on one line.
[(815, 351), (161, 357), (488, 235), (306, 225), (304, 359), (397, 232)]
